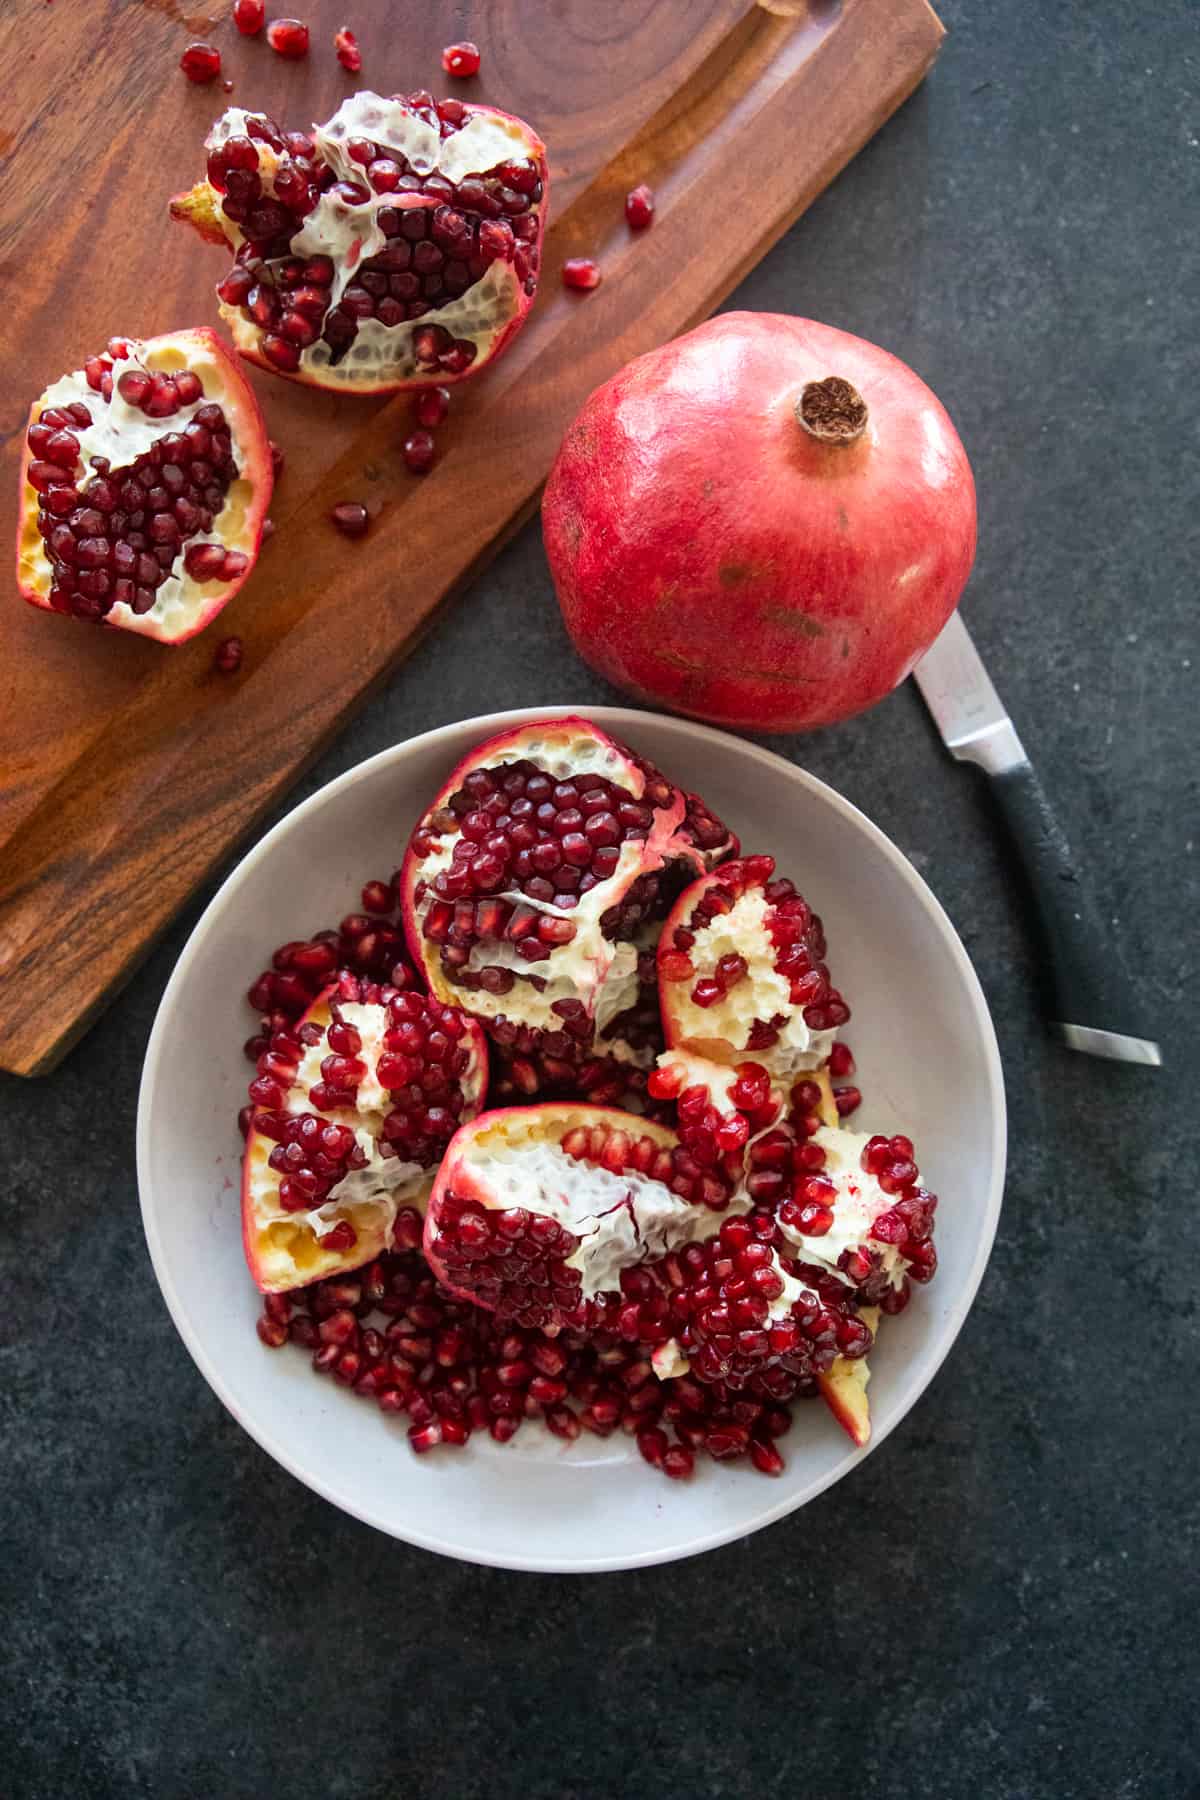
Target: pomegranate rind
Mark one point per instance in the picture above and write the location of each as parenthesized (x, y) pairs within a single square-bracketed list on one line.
[(238, 526), (697, 1030), (560, 746), (282, 1252), (844, 1387), (515, 1127), (490, 313)]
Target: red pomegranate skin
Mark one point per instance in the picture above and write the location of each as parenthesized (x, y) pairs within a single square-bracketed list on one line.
[(712, 556)]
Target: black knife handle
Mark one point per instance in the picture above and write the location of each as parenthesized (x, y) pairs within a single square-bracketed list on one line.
[(1088, 998)]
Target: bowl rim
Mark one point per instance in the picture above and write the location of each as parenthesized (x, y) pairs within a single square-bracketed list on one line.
[(620, 721)]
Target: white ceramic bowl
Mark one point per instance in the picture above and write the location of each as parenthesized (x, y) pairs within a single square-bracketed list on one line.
[(928, 1065)]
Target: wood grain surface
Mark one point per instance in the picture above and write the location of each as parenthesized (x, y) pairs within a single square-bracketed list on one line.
[(128, 769)]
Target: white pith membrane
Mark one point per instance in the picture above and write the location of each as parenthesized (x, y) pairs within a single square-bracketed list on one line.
[(351, 236), (121, 433), (595, 969), (621, 1219), (288, 1244), (858, 1203), (762, 993)]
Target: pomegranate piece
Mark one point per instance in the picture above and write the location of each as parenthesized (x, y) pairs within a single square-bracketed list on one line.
[(581, 273), (249, 15), (346, 47), (858, 1215), (288, 38), (353, 1106), (742, 972), (639, 208), (201, 63), (144, 486), (772, 550), (533, 883), (461, 60), (538, 1213), (227, 657), (396, 246)]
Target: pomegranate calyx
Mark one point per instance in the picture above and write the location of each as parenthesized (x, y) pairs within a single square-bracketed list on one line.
[(832, 411)]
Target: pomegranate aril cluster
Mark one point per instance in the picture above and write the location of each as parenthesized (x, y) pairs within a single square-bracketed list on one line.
[(114, 535), (367, 945), (434, 254), (391, 1334)]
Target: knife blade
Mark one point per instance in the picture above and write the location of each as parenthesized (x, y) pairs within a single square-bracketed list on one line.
[(1089, 1000)]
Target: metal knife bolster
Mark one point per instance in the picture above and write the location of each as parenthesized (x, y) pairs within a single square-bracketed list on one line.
[(1090, 1002)]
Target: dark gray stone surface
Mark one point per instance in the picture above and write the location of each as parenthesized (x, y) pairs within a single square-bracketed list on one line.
[(1001, 1601)]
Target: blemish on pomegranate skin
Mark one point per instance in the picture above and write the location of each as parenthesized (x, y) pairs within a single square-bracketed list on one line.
[(731, 574)]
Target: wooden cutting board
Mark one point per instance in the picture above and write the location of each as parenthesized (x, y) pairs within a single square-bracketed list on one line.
[(128, 770)]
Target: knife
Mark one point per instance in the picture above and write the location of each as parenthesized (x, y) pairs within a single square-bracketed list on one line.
[(1090, 1002)]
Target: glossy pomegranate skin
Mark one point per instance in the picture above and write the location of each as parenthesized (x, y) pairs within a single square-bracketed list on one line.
[(712, 556)]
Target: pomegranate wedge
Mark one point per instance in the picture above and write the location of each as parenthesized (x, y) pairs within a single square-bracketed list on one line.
[(742, 973), (395, 246), (534, 884), (539, 1212), (144, 485), (353, 1107)]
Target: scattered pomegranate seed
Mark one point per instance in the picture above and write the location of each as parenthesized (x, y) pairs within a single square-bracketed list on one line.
[(461, 60), (288, 38), (580, 273), (418, 452), (228, 656), (432, 406), (841, 1062), (351, 519), (348, 52), (227, 87), (847, 1100), (268, 529), (248, 16), (639, 208), (201, 63)]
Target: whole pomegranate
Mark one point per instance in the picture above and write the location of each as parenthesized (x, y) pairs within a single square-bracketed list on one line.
[(764, 523)]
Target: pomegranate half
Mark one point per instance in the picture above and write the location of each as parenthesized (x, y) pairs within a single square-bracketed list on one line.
[(397, 245), (145, 482), (764, 523), (353, 1107), (535, 882)]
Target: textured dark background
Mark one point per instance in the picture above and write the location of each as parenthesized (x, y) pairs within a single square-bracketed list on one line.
[(1001, 1601)]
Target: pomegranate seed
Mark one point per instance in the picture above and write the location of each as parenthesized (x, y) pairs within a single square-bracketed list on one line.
[(580, 273), (765, 1457), (678, 1462), (351, 519), (248, 16), (272, 1332), (348, 53), (425, 1437), (841, 1062), (431, 407), (418, 452), (227, 657), (461, 60), (288, 38), (639, 208), (847, 1099), (201, 63)]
